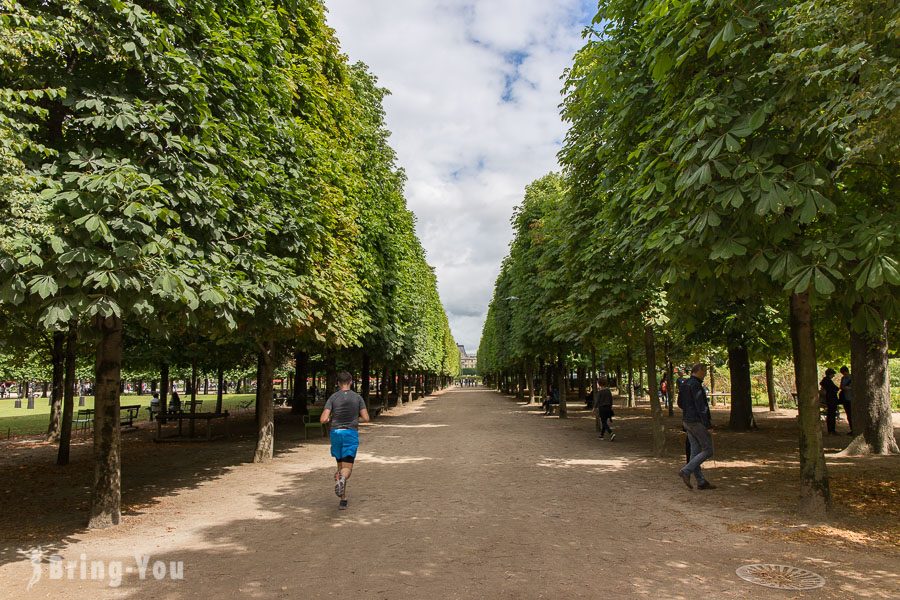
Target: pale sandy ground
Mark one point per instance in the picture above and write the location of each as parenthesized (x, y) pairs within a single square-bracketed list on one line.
[(465, 495)]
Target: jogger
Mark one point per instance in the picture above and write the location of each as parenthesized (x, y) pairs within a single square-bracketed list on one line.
[(344, 409)]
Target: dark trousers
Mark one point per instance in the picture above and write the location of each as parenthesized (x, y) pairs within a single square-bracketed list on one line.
[(604, 424), (831, 416), (847, 411)]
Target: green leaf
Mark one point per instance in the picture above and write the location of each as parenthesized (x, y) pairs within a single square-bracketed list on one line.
[(824, 285), (44, 286)]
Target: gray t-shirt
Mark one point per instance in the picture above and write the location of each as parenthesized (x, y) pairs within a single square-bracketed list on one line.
[(345, 408)]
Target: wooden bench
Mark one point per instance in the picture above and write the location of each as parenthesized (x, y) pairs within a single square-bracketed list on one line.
[(132, 412), (209, 417)]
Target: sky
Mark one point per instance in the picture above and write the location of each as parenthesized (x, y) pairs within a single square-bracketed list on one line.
[(474, 111)]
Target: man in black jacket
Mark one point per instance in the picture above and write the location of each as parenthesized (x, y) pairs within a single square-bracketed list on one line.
[(697, 423)]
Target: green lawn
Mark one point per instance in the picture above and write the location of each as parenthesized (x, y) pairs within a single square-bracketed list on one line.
[(21, 421)]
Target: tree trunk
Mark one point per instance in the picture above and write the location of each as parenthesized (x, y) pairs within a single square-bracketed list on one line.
[(106, 500), (530, 376), (770, 383), (561, 384), (410, 386), (630, 365), (385, 387), (165, 385), (542, 374), (640, 386), (301, 373), (712, 378), (265, 421), (58, 359), (670, 380), (871, 395), (658, 425), (815, 495), (741, 400), (220, 388), (619, 379), (582, 384), (192, 426), (366, 375), (68, 408)]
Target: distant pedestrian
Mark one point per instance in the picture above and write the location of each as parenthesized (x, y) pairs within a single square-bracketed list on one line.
[(845, 396), (697, 422), (551, 399), (344, 409), (175, 402), (603, 410), (828, 395)]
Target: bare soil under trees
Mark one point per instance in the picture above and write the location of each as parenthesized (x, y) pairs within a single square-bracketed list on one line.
[(467, 494)]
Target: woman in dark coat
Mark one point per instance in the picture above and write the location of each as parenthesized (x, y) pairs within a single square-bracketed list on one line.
[(829, 390)]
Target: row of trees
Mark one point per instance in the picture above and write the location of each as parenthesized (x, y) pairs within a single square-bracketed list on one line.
[(730, 180), (194, 181)]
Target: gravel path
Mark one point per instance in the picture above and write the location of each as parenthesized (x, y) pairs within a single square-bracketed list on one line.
[(463, 495)]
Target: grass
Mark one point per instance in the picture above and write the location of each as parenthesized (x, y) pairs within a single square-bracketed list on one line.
[(21, 421)]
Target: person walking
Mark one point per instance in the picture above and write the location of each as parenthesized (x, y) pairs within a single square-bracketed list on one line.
[(845, 396), (828, 395), (344, 410), (697, 422), (603, 410)]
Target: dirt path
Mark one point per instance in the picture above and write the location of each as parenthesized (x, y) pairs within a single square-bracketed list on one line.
[(467, 495)]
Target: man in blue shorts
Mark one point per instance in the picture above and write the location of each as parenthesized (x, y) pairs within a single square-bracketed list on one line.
[(344, 409)]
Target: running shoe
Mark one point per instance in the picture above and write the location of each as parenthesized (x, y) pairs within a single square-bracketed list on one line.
[(612, 436), (339, 486), (342, 505)]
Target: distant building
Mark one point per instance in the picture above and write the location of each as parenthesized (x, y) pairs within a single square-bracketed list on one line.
[(466, 360)]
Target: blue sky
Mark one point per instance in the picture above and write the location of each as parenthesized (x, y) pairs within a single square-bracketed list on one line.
[(474, 113)]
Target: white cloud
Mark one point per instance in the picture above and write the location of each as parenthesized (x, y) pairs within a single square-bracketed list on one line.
[(475, 118)]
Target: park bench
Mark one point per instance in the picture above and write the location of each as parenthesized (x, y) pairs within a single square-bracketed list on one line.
[(725, 396), (84, 417), (128, 414), (197, 404), (246, 403), (182, 416)]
